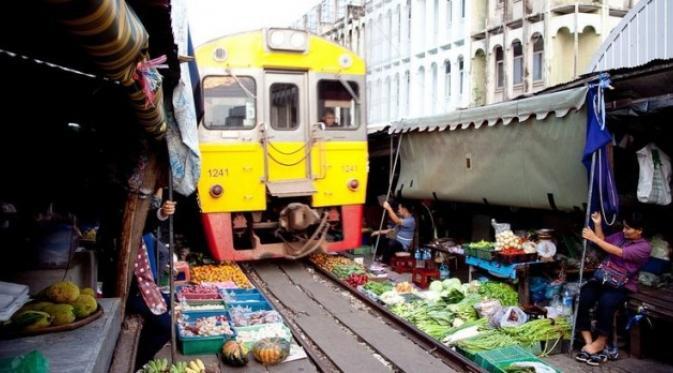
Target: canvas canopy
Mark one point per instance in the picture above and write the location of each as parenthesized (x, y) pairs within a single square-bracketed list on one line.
[(524, 153)]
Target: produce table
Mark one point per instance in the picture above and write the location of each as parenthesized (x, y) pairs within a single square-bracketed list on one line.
[(87, 349), (506, 271)]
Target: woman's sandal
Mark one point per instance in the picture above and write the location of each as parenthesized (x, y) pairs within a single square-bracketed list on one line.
[(583, 356), (596, 360)]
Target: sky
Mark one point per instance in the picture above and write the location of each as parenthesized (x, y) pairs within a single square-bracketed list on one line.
[(210, 19)]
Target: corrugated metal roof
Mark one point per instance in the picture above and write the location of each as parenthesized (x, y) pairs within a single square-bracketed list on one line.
[(559, 103), (645, 34)]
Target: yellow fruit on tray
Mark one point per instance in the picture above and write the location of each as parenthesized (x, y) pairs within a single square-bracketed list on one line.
[(35, 306), (220, 273), (87, 291), (63, 313), (84, 306), (62, 292), (31, 320)]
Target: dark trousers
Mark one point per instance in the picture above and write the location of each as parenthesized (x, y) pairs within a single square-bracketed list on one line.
[(609, 300), (389, 247), (156, 331)]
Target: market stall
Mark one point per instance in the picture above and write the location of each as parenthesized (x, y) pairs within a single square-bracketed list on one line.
[(480, 320)]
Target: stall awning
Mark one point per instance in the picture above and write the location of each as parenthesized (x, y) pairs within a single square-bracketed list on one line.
[(558, 103), (524, 153)]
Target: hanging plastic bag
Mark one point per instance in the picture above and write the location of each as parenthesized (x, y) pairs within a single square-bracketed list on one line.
[(654, 182)]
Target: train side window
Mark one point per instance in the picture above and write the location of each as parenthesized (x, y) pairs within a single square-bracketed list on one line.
[(338, 105), (229, 102), (284, 99)]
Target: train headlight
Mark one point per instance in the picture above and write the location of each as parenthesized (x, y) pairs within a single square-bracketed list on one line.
[(353, 185), (287, 40), (216, 191)]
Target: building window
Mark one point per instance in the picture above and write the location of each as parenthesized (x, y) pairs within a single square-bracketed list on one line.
[(461, 74), (420, 90), (517, 65), (409, 22), (434, 87), (396, 96), (421, 20), (447, 81), (435, 20), (499, 67), (462, 8), (538, 57), (449, 13), (407, 84), (386, 100)]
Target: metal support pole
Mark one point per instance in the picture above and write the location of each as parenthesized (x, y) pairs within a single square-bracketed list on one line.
[(587, 217), (171, 251)]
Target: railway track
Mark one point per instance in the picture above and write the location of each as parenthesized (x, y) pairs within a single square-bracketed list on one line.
[(344, 331)]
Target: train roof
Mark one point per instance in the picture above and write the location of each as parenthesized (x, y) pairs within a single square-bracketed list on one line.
[(250, 50)]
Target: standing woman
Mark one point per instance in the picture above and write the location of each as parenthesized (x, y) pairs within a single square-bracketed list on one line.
[(627, 252)]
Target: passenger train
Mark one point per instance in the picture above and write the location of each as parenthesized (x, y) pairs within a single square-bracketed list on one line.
[(283, 143)]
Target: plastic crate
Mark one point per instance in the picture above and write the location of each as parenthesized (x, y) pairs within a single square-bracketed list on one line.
[(479, 253), (516, 258), (254, 305), (496, 361), (285, 334), (195, 314), (202, 345)]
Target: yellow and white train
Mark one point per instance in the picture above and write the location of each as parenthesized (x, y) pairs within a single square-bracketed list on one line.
[(283, 145)]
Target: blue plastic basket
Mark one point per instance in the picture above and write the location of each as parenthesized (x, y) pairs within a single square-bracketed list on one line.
[(253, 305)]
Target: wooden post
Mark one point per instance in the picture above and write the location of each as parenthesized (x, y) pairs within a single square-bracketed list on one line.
[(133, 223)]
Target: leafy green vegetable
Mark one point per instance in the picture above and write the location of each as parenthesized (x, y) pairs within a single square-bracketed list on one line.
[(502, 292)]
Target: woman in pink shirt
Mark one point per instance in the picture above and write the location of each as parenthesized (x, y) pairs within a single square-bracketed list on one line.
[(627, 252)]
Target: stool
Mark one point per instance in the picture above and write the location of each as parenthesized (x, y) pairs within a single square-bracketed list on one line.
[(402, 264), (421, 277)]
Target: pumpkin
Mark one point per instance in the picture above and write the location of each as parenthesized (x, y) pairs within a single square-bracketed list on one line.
[(270, 351), (235, 354)]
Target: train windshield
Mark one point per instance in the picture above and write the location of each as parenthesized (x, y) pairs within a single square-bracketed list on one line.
[(338, 104), (229, 102)]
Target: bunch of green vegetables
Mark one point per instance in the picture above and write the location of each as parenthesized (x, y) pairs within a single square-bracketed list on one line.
[(540, 330), (487, 340), (378, 288), (342, 271), (502, 292)]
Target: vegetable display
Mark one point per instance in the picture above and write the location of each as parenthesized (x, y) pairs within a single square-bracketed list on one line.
[(271, 351), (235, 354), (356, 279), (502, 292), (378, 288), (220, 273), (205, 327)]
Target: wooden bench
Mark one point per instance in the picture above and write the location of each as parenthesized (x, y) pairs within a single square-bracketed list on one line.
[(656, 304)]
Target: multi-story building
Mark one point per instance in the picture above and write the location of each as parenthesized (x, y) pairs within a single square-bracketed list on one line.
[(427, 57), (418, 58), (522, 46)]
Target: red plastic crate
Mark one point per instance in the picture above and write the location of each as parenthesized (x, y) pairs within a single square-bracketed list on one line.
[(402, 264), (422, 277)]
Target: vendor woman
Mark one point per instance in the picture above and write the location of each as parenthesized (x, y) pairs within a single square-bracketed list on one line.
[(627, 252)]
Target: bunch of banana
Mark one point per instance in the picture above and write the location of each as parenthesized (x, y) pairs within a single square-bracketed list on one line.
[(179, 367), (155, 366), (196, 366)]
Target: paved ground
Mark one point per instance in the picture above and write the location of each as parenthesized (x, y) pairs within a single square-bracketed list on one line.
[(568, 364)]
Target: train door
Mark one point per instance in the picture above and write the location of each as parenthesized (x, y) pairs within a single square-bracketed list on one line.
[(286, 133)]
